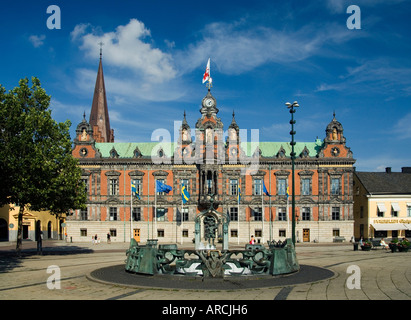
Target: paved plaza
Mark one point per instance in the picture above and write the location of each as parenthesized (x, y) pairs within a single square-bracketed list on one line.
[(358, 275)]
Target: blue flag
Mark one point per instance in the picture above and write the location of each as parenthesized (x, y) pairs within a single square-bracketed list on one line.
[(184, 194), (265, 190), (239, 195), (134, 190), (161, 187)]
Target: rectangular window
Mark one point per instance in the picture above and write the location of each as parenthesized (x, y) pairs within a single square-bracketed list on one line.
[(306, 214), (394, 213), (83, 215), (185, 214), (234, 233), (184, 182), (233, 187), (85, 181), (160, 193), (257, 187), (305, 187), (113, 187), (380, 210), (139, 186), (234, 214), (113, 214), (113, 232), (282, 214), (336, 232), (257, 214), (281, 187), (335, 186), (136, 214), (335, 213), (395, 209), (282, 233), (161, 214), (258, 233), (83, 232), (185, 233), (160, 233)]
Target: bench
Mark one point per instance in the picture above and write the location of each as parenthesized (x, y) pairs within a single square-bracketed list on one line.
[(339, 239), (377, 244)]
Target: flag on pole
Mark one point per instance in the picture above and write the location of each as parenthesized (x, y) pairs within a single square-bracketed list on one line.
[(206, 76), (161, 187), (184, 194), (288, 192), (134, 190), (265, 190), (239, 195)]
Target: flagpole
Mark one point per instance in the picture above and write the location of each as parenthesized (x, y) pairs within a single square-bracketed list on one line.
[(155, 208), (148, 206), (271, 220), (238, 216), (262, 208), (288, 218), (131, 213), (182, 219)]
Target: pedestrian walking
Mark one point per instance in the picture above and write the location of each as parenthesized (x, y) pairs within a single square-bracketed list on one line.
[(108, 238)]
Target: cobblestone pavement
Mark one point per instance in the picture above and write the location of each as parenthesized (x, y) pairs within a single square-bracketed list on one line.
[(384, 275)]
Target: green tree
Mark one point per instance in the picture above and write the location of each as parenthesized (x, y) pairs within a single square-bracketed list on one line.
[(36, 166)]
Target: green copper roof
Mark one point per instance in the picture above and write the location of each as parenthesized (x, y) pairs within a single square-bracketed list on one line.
[(127, 149), (268, 149)]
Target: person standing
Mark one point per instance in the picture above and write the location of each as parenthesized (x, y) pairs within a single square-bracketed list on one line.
[(252, 241), (40, 242)]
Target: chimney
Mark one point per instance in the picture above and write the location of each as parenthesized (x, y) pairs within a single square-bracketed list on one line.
[(406, 169), (388, 169)]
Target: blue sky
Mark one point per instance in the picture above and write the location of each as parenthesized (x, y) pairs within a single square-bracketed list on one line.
[(263, 54)]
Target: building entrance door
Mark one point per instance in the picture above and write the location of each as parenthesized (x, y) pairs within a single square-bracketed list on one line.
[(137, 235), (306, 235)]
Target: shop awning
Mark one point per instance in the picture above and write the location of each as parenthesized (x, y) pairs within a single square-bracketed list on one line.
[(389, 226), (408, 226), (381, 207), (395, 206)]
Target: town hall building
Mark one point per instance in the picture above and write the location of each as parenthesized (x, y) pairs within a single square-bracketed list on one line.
[(247, 185)]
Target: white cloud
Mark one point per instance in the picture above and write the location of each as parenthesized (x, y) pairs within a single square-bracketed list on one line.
[(236, 48), (381, 76), (37, 41), (403, 128), (79, 30), (129, 47)]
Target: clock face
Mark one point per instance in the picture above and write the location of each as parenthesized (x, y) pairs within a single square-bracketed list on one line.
[(209, 102)]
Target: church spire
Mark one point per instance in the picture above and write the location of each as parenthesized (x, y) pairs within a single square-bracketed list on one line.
[(99, 118)]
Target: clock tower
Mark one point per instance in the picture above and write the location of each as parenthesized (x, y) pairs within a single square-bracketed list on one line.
[(334, 142)]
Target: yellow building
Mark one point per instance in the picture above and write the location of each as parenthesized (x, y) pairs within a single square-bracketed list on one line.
[(33, 221), (382, 204)]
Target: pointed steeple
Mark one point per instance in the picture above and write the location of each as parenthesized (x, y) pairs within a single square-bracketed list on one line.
[(99, 118), (234, 124)]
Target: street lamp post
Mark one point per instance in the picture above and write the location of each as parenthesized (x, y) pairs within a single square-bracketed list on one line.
[(292, 133)]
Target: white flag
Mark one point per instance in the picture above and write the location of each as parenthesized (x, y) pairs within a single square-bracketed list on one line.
[(206, 76)]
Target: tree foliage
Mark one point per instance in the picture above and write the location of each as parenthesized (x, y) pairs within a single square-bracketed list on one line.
[(36, 166)]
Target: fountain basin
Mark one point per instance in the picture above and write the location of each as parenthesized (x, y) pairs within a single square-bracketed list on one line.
[(279, 258)]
